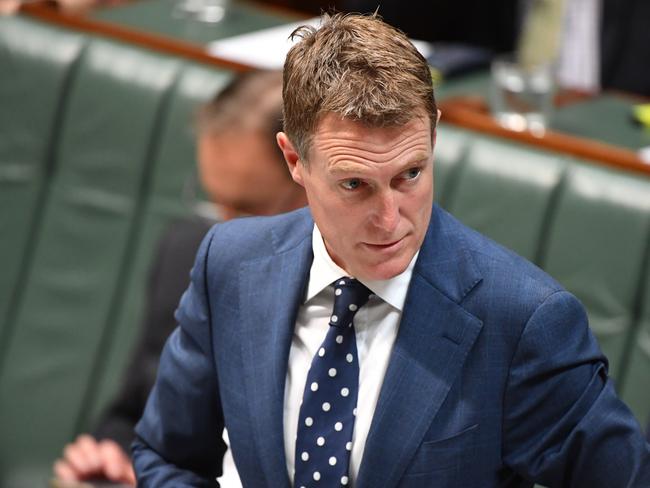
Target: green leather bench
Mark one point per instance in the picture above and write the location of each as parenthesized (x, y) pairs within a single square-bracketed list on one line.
[(95, 147)]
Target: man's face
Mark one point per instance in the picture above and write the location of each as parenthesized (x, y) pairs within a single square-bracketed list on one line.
[(370, 191), (241, 173)]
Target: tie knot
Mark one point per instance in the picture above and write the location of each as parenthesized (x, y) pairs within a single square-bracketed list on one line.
[(349, 296)]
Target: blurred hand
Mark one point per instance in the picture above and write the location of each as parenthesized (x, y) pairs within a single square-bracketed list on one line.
[(76, 6), (9, 7), (87, 458)]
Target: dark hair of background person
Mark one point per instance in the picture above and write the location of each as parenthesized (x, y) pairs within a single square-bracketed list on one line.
[(252, 100)]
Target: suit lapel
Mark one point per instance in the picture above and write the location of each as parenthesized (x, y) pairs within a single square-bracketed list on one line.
[(271, 290), (433, 341)]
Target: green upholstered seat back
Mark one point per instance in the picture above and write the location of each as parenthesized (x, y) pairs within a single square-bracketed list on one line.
[(596, 247), (448, 156), (36, 63), (173, 164), (505, 191), (103, 154)]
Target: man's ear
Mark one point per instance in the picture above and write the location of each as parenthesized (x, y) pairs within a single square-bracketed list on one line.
[(291, 157)]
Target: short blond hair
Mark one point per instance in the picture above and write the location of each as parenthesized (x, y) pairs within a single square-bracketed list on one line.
[(358, 67)]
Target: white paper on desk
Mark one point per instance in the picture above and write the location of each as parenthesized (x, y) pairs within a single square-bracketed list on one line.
[(267, 48)]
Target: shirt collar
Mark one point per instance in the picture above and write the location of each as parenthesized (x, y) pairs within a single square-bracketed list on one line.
[(324, 271)]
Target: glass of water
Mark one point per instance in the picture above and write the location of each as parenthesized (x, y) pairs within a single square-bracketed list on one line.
[(521, 97), (210, 11)]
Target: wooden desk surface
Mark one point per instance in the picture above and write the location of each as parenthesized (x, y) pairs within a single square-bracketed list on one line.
[(472, 113), (163, 18), (153, 24)]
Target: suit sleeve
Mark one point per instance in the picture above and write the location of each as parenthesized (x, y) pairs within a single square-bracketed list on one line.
[(564, 425), (178, 440)]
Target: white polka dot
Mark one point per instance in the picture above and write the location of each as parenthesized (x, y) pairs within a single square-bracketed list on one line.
[(332, 372), (332, 461), (314, 386), (350, 324), (309, 421), (320, 441), (344, 480), (326, 407), (334, 318), (321, 352), (338, 426), (349, 357), (339, 339), (345, 392), (316, 475), (338, 292), (353, 307), (304, 456), (371, 296), (342, 282), (354, 412), (348, 446)]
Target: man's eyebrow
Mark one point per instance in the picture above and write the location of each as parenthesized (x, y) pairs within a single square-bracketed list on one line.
[(352, 167), (347, 167), (418, 160)]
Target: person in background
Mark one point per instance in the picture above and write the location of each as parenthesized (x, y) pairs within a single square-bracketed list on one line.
[(242, 171), (603, 43), (492, 25), (605, 46)]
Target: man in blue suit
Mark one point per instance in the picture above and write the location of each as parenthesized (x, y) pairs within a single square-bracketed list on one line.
[(372, 340)]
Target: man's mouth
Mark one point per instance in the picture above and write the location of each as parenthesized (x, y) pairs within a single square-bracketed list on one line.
[(384, 246)]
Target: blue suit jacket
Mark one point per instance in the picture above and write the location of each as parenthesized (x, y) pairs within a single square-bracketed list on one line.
[(494, 380)]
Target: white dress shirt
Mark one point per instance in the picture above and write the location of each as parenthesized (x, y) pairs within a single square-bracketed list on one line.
[(375, 325)]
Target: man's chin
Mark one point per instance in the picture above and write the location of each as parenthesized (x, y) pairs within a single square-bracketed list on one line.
[(384, 270)]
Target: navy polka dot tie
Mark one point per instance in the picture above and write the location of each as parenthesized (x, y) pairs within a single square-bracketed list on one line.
[(328, 409)]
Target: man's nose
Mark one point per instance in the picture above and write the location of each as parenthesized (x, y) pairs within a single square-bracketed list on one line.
[(387, 212)]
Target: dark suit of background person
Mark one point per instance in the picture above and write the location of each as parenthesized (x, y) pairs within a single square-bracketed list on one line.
[(168, 280), (493, 364), (624, 29), (489, 24), (625, 46)]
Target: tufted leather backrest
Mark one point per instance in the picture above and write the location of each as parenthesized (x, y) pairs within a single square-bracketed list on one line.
[(113, 182)]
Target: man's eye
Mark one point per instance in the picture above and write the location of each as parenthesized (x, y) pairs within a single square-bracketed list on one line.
[(412, 173), (352, 184)]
